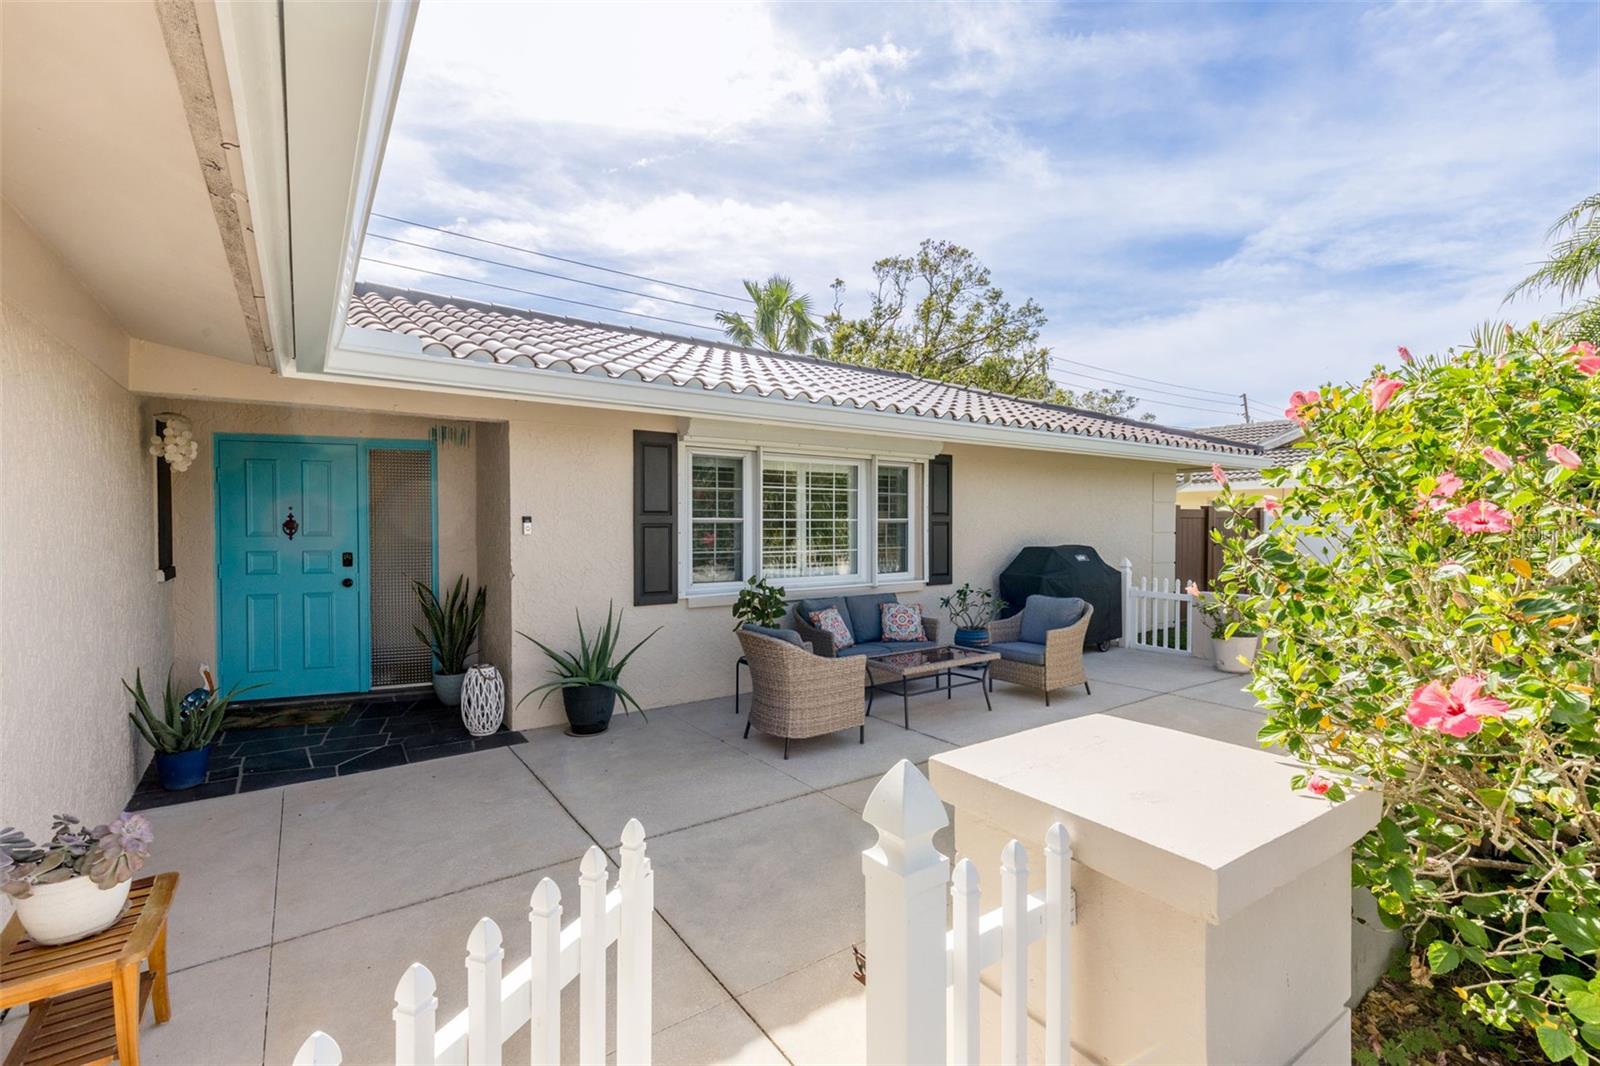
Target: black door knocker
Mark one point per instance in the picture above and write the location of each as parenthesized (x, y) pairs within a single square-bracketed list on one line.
[(290, 526)]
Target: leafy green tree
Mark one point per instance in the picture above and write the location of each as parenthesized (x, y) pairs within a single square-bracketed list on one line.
[(781, 321), (1572, 269), (1447, 656), (1107, 401), (937, 314)]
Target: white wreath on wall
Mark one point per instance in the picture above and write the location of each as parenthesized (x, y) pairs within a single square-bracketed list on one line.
[(175, 443)]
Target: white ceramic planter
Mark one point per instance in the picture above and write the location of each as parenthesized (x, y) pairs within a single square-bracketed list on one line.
[(1235, 654), (70, 910)]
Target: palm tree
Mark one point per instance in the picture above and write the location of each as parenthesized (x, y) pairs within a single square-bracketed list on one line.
[(780, 322), (1573, 266)]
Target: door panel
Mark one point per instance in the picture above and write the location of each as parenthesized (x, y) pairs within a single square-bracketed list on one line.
[(287, 621)]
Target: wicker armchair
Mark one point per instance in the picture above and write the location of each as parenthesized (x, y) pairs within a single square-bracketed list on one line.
[(822, 642), (795, 694), (1063, 656)]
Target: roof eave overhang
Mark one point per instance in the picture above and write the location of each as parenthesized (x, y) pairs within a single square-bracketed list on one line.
[(393, 359)]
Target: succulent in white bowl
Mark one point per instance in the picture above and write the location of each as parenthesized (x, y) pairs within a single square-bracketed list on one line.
[(76, 883)]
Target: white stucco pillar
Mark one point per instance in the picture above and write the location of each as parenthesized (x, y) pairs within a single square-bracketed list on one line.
[(1213, 903)]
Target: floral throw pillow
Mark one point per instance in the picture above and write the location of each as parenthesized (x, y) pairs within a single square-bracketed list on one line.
[(831, 623), (902, 621)]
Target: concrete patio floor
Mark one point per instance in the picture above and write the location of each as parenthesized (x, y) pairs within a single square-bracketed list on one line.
[(300, 907)]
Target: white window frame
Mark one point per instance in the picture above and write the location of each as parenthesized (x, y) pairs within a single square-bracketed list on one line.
[(754, 459)]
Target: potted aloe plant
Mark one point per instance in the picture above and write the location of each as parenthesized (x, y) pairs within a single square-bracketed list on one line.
[(76, 883), (588, 680), (184, 730), (971, 610), (452, 630)]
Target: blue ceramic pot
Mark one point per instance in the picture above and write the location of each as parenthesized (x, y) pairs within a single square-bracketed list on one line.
[(972, 638), (182, 769)]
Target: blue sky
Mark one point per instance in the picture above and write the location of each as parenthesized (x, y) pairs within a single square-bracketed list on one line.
[(1232, 197)]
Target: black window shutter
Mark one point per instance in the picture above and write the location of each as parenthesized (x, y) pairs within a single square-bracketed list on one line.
[(655, 501), (164, 561), (940, 503)]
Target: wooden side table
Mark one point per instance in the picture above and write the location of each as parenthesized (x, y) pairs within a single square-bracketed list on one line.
[(85, 999)]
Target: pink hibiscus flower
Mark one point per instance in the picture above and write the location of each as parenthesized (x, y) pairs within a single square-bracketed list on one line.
[(1382, 390), (1497, 459), (1318, 784), (1405, 354), (1192, 589), (1480, 516), (1457, 711), (1568, 458), (1302, 405), (1445, 486), (1219, 474), (1271, 504)]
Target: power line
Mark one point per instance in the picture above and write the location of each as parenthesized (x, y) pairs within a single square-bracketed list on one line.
[(540, 295), (1153, 381), (1142, 390), (549, 274), (559, 259)]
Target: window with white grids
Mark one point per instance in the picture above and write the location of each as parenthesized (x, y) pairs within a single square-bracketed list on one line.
[(894, 520), (716, 519), (810, 519)]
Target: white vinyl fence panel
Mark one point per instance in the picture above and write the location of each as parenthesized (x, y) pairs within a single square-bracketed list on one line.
[(1157, 614), (499, 1003), (916, 968)]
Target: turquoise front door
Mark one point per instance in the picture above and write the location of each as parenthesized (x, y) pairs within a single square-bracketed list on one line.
[(288, 567)]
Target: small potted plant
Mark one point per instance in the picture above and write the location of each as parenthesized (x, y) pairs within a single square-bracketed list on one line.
[(760, 603), (76, 883), (182, 733), (589, 680), (1233, 640), (452, 630), (971, 610)]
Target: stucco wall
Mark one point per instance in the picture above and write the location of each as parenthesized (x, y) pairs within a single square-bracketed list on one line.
[(495, 522), (572, 470), (194, 590), (82, 608)]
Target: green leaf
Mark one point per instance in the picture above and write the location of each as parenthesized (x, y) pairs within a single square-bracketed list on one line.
[(1471, 932), (1585, 1006), (1578, 933), (1443, 957), (1556, 1042)]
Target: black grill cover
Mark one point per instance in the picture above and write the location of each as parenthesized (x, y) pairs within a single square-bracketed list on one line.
[(1067, 570)]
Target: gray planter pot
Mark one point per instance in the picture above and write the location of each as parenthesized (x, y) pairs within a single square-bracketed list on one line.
[(448, 688)]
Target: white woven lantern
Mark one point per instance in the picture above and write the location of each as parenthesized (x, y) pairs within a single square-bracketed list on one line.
[(483, 700)]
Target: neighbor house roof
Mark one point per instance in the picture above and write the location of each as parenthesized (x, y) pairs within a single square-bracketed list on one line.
[(1276, 437), (478, 332)]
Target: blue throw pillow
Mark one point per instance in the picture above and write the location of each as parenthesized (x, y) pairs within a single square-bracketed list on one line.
[(788, 635), (1044, 613)]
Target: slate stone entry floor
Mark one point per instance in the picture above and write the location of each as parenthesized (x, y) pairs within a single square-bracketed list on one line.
[(379, 731)]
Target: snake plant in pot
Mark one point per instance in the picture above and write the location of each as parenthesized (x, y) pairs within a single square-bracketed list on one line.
[(452, 630), (182, 733), (588, 680)]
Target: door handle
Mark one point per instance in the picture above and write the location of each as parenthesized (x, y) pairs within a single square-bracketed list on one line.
[(347, 582)]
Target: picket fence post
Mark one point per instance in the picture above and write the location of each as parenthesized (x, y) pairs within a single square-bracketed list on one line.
[(905, 919), (414, 1009), (966, 964), (320, 1049), (1128, 626), (1058, 946), (592, 878), (544, 983), (637, 882), (485, 955)]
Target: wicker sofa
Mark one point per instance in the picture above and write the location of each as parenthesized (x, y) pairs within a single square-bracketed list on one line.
[(861, 614), (1055, 663), (795, 694)]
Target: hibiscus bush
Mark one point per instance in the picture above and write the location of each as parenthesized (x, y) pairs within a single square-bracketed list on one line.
[(1446, 653)]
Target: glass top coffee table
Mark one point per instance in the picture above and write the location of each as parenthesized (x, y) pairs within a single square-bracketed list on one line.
[(950, 667)]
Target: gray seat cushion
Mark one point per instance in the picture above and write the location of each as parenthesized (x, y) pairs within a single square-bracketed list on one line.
[(866, 615), (887, 647), (787, 635), (1041, 614), (806, 608), (1019, 651)]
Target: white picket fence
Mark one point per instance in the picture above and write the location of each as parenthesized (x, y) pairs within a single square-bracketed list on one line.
[(919, 974), (1156, 615), (500, 1004)]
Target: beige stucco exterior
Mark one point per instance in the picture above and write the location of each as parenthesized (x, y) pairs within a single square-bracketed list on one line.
[(77, 545)]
